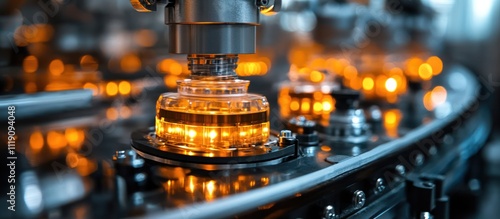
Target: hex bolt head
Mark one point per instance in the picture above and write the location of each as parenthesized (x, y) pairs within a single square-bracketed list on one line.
[(379, 185), (400, 169), (329, 213), (358, 199), (285, 134)]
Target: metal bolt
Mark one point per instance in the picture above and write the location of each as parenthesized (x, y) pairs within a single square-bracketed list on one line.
[(119, 155), (419, 159), (285, 134), (140, 177), (379, 185), (400, 169), (329, 213), (358, 199), (433, 150)]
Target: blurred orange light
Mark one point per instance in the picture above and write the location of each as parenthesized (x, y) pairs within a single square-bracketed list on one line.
[(317, 106), (72, 159), (145, 38), (305, 105), (111, 89), (436, 64), (56, 67), (368, 83), (428, 104), (130, 63), (171, 81), (125, 112), (391, 84), (316, 76), (124, 87), (412, 66), (30, 64), (56, 140), (92, 87), (391, 121), (36, 141), (425, 71), (75, 137), (326, 148), (350, 72), (30, 87), (327, 106), (438, 95), (88, 63), (112, 113), (294, 105)]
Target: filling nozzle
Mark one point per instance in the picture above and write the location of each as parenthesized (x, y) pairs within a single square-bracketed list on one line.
[(212, 67), (211, 32)]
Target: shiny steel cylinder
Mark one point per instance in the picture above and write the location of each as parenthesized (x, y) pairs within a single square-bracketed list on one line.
[(212, 27)]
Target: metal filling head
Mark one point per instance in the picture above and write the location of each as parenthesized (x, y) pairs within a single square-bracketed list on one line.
[(212, 66)]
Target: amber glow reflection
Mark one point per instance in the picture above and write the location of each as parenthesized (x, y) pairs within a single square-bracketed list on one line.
[(88, 63), (434, 98), (124, 87), (111, 89), (30, 87), (30, 64), (171, 81), (145, 38), (316, 105), (392, 118), (91, 86), (130, 63), (436, 64), (391, 85), (368, 83), (75, 137), (56, 67), (56, 140), (112, 113), (36, 141), (425, 71), (326, 148)]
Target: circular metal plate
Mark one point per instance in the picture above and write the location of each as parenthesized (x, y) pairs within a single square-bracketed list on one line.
[(146, 145)]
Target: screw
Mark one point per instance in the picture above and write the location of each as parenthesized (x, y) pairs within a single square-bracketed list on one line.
[(329, 212), (400, 169), (379, 185), (358, 199)]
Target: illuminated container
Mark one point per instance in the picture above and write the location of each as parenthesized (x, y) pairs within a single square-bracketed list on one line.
[(311, 100), (212, 114)]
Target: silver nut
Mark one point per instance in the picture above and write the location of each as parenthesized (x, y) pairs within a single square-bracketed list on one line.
[(120, 155), (286, 134), (379, 186), (329, 213), (400, 169), (419, 159), (358, 199)]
